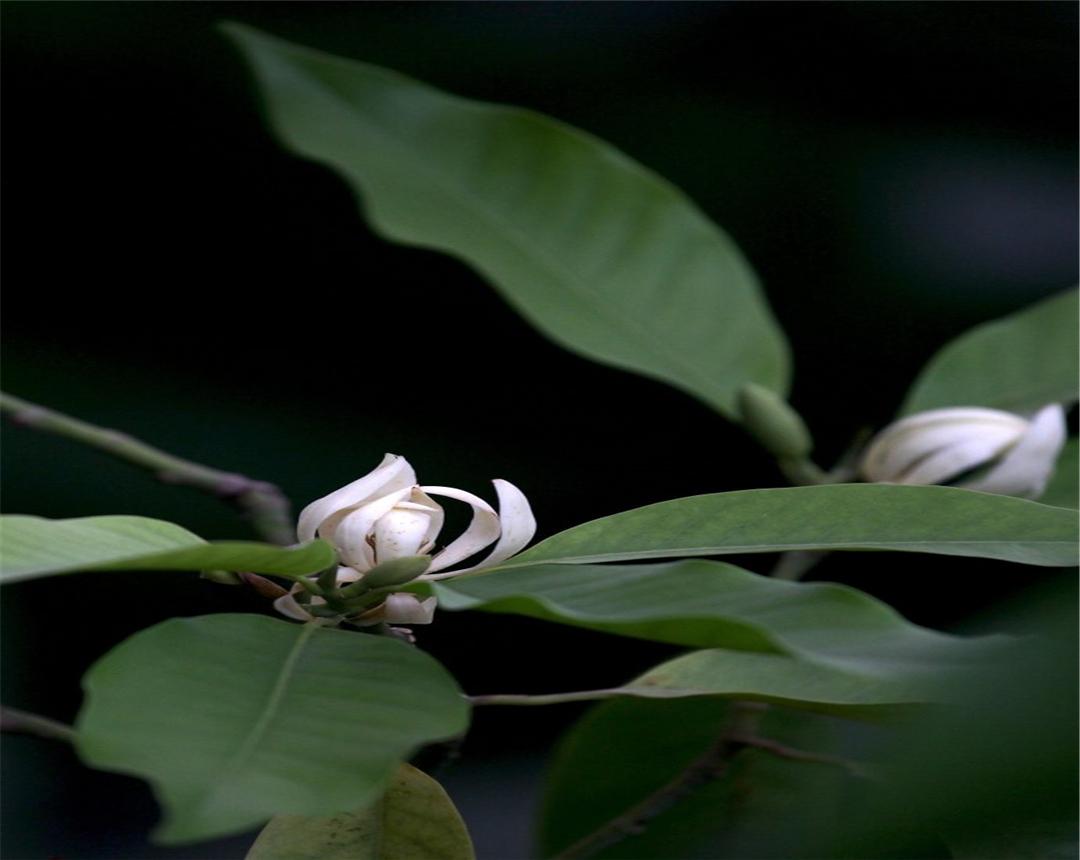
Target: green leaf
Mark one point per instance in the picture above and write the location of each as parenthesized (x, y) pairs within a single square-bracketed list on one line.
[(708, 604), (414, 820), (603, 256), (1062, 490), (624, 757), (780, 679), (1017, 363), (942, 520), (236, 718), (32, 546)]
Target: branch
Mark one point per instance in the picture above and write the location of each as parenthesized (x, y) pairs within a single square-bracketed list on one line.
[(262, 503), (710, 765), (23, 722)]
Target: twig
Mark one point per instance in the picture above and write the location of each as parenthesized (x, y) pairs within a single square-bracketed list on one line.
[(262, 503), (782, 751), (708, 766), (23, 722)]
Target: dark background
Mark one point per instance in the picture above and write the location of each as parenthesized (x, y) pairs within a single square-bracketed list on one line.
[(895, 172)]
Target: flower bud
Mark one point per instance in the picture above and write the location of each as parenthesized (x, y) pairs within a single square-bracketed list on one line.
[(971, 447), (397, 571), (775, 426)]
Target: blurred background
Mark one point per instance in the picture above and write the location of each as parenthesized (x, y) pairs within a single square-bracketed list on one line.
[(895, 172)]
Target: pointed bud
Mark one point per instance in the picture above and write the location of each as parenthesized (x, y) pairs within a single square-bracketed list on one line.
[(397, 571), (773, 424)]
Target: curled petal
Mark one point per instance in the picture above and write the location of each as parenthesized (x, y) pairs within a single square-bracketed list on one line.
[(954, 459), (350, 536), (438, 516), (393, 473), (399, 608), (900, 448), (517, 522), (1025, 470), (287, 606), (483, 529)]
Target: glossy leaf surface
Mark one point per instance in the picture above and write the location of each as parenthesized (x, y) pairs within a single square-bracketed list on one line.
[(1017, 363), (941, 520), (32, 546), (707, 604), (413, 820), (236, 718), (602, 255)]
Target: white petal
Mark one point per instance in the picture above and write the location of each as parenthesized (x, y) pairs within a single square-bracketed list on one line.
[(287, 606), (404, 608), (393, 473), (952, 460), (346, 575), (350, 536), (399, 608), (1025, 470), (437, 517), (518, 527), (400, 532), (900, 446), (483, 530)]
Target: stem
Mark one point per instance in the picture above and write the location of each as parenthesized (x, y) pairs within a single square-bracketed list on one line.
[(23, 722), (547, 698), (803, 473), (262, 503), (795, 564)]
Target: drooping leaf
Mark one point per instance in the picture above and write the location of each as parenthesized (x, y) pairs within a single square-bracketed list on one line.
[(236, 718), (626, 757), (32, 546), (1017, 363), (1062, 491), (602, 255), (413, 820), (708, 604), (941, 520)]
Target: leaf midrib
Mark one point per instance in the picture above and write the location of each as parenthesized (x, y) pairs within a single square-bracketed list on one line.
[(259, 728)]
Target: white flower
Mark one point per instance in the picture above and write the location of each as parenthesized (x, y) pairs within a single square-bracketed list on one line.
[(386, 515), (1016, 455)]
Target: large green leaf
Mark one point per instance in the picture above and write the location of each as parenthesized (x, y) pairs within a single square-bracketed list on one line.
[(236, 718), (32, 546), (708, 604), (1063, 489), (1018, 363), (626, 756), (942, 520), (413, 820), (602, 255)]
